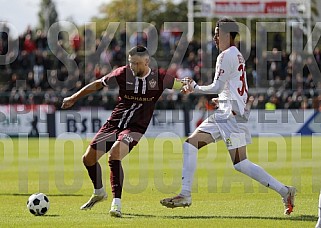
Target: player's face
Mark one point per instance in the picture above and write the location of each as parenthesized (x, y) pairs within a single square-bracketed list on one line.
[(221, 39), (138, 65)]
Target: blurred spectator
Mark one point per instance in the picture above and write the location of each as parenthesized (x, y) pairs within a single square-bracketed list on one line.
[(138, 38), (4, 38), (277, 41), (41, 41), (271, 104), (317, 56), (75, 42), (283, 83), (184, 71), (89, 40), (106, 57), (165, 37)]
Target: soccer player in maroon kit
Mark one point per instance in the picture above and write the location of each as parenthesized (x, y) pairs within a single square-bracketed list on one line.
[(139, 89)]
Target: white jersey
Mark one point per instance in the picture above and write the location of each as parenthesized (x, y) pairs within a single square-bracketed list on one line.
[(230, 70), (230, 84)]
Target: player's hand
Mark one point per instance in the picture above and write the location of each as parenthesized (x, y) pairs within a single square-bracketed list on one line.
[(68, 102), (187, 89), (189, 85), (187, 80)]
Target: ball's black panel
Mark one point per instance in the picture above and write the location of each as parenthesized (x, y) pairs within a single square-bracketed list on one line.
[(44, 210), (36, 202), (32, 211)]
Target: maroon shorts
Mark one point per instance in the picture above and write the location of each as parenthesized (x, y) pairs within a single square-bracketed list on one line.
[(108, 134)]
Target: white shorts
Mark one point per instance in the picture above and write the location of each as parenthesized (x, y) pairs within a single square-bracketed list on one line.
[(232, 129)]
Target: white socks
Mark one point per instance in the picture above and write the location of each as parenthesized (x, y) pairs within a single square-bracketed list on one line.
[(189, 166), (116, 201), (248, 168), (100, 191), (257, 173)]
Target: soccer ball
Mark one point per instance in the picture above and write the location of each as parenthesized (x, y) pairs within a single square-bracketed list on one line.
[(38, 204)]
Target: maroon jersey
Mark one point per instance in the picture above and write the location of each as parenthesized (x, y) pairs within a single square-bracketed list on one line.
[(137, 97)]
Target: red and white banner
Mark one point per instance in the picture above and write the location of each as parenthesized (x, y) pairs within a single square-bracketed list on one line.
[(259, 8), (256, 8)]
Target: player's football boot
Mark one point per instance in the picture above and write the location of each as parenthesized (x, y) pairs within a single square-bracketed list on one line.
[(93, 200), (115, 210), (288, 200), (177, 201)]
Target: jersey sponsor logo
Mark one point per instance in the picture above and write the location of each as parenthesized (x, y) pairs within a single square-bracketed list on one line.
[(152, 83), (144, 99)]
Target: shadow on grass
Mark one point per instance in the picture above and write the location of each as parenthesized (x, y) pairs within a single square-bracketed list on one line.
[(28, 194), (131, 215), (51, 215), (304, 218)]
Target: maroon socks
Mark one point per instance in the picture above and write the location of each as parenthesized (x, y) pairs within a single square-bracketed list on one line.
[(116, 177)]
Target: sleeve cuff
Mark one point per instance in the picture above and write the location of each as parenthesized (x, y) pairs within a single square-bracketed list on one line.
[(103, 82), (196, 87), (194, 84)]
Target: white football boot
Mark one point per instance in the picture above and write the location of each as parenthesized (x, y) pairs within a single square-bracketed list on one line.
[(115, 209), (177, 201), (93, 200)]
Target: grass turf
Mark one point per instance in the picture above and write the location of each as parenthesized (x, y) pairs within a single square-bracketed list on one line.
[(222, 197)]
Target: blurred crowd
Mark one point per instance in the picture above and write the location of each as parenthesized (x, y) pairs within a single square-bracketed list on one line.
[(38, 70)]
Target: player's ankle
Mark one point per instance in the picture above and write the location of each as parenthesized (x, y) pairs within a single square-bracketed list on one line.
[(185, 193), (100, 191), (116, 201)]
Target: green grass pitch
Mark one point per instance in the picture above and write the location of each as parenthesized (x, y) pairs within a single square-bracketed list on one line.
[(222, 197)]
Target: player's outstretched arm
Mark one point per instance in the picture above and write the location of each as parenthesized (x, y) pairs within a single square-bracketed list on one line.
[(91, 87), (215, 88)]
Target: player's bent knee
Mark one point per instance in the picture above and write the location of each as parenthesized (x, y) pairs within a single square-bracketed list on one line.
[(84, 160), (241, 165), (237, 166), (89, 159), (87, 162)]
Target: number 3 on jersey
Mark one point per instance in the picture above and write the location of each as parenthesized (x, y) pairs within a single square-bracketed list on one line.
[(243, 80)]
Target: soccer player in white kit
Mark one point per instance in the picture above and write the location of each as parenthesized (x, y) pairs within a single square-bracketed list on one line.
[(228, 122)]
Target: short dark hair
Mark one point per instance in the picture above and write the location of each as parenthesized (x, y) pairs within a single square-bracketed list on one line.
[(139, 50), (228, 25)]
